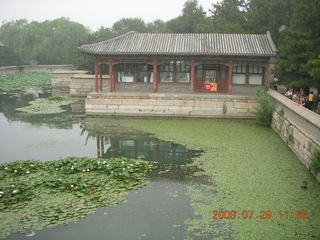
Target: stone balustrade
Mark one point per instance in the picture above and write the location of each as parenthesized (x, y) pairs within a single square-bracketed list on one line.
[(297, 126)]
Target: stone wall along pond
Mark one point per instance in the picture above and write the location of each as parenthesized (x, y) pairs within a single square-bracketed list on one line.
[(297, 126), (176, 105)]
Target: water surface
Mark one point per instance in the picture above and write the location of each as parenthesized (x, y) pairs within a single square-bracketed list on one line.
[(156, 211)]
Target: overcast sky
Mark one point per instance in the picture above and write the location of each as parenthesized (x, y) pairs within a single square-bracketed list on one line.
[(93, 13)]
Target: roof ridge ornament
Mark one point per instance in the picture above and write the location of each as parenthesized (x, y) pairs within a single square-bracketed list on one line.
[(274, 48)]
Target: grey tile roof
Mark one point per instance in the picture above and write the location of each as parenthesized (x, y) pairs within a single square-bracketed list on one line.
[(183, 44)]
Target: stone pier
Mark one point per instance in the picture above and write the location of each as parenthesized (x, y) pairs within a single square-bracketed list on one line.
[(170, 105)]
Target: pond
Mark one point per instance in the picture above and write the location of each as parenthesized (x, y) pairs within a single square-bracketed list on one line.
[(245, 168), (156, 211)]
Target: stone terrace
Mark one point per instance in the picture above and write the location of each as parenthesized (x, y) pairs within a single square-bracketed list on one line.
[(176, 105)]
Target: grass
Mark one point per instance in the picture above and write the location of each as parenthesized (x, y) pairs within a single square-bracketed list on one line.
[(265, 107), (315, 161), (21, 82), (251, 168)]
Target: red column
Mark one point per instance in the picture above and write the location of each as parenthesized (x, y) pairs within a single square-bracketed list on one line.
[(115, 77), (135, 69), (100, 72), (155, 77), (111, 77), (266, 76), (193, 77), (229, 82), (96, 71), (174, 75)]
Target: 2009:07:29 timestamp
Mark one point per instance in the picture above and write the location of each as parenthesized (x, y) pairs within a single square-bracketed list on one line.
[(263, 214)]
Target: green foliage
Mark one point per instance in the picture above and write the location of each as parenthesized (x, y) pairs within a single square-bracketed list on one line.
[(191, 20), (224, 109), (251, 168), (129, 24), (51, 105), (35, 194), (299, 46), (157, 26), (56, 98), (314, 69), (265, 107), (21, 82), (8, 57), (48, 42), (315, 161), (268, 15), (281, 113), (228, 16)]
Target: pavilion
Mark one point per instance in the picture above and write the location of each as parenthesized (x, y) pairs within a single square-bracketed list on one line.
[(183, 62)]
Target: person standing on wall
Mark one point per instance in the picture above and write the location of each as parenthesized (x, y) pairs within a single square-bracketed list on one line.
[(289, 93), (309, 102)]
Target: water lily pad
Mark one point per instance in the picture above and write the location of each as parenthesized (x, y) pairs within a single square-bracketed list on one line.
[(62, 191), (25, 82), (47, 105)]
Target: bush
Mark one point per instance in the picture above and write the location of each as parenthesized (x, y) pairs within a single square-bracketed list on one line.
[(56, 98), (265, 107), (315, 162)]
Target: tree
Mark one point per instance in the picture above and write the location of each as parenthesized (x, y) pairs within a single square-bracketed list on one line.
[(129, 24), (10, 35), (314, 68), (157, 26), (10, 32), (229, 16), (191, 20), (8, 57), (299, 46), (86, 62), (101, 34), (48, 42), (263, 16)]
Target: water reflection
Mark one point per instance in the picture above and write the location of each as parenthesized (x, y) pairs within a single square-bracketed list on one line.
[(168, 159), (141, 147), (64, 120), (150, 213)]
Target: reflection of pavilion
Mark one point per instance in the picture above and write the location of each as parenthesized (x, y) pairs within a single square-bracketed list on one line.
[(144, 147)]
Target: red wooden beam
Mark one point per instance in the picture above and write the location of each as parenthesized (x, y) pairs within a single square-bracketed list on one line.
[(229, 79), (193, 76), (266, 76), (115, 77), (100, 71), (155, 77), (111, 82), (96, 70)]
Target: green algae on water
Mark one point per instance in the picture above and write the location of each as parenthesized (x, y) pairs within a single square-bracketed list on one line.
[(251, 168)]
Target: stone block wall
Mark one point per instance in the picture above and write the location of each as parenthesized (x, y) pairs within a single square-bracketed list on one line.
[(297, 126), (61, 81), (181, 105), (35, 68), (174, 88), (135, 87), (147, 87), (82, 84), (245, 90)]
